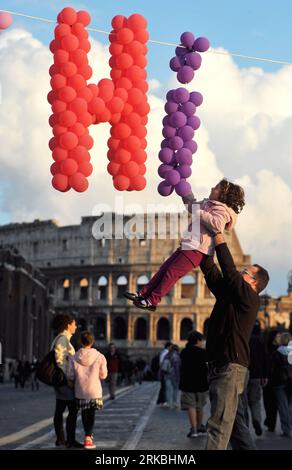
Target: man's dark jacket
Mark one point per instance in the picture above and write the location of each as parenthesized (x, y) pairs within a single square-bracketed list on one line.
[(234, 313), (193, 370)]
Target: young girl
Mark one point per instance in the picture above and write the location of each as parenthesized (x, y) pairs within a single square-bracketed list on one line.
[(87, 368), (217, 213)]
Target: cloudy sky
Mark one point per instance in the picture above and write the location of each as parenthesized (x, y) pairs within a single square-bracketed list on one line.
[(246, 117)]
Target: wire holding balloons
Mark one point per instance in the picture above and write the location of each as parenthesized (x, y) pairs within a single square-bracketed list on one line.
[(121, 101), (180, 122)]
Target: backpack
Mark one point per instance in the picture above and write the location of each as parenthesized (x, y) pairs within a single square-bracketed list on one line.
[(49, 373)]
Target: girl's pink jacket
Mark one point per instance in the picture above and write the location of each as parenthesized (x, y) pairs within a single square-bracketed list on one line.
[(87, 368)]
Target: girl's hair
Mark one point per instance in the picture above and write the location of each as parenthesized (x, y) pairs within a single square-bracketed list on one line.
[(232, 195), (87, 338), (61, 322)]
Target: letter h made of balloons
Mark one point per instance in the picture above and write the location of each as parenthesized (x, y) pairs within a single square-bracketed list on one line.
[(121, 101)]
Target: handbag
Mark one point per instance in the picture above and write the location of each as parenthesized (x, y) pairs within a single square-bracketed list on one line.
[(49, 373)]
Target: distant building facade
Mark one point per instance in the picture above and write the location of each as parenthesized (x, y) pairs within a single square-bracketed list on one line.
[(88, 276)]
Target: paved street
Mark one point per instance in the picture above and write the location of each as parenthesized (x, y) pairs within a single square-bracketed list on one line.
[(132, 421)]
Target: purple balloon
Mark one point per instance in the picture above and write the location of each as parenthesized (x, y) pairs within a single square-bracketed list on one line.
[(177, 119), (201, 44), (184, 170), (196, 98), (171, 107), (188, 108), (165, 155), (169, 131), (180, 51), (196, 122), (183, 188), (184, 156), (185, 74), (163, 169), (172, 177), (164, 189), (165, 121), (164, 143), (175, 64), (176, 143), (169, 95), (181, 95), (186, 133), (194, 60), (191, 145), (191, 122), (187, 39)]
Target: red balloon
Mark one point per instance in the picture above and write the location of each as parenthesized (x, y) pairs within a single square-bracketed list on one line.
[(116, 74), (53, 70), (94, 89), (110, 155), (104, 116), (121, 131), (121, 182), (128, 109), (69, 167), (135, 48), (78, 182), (59, 154), (122, 156), (116, 48), (137, 22), (124, 36), (85, 119), (53, 120), (85, 168), (67, 94), (121, 93), (132, 143), (68, 140), (140, 131), (59, 130), (86, 141), (105, 93), (54, 45), (62, 30), (141, 35), (83, 17), (138, 183), (58, 81), (113, 168), (142, 108), (77, 129), (115, 105), (60, 182), (142, 169), (78, 106), (140, 156), (135, 96), (144, 120), (124, 82), (85, 45), (143, 143), (119, 21), (55, 168), (85, 70), (58, 106), (96, 106), (77, 82), (113, 144), (133, 120), (124, 61), (79, 57), (79, 30), (53, 143), (68, 69), (115, 118), (85, 93), (67, 118), (140, 61), (68, 15), (135, 73), (142, 85), (80, 154), (130, 169), (61, 57), (106, 82), (70, 42)]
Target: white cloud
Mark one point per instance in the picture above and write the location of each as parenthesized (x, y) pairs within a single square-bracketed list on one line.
[(245, 135)]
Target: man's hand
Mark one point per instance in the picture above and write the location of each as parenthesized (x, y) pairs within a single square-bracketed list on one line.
[(219, 239)]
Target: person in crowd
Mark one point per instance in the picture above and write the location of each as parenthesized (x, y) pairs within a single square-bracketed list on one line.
[(17, 372), (281, 379), (258, 377), (270, 402), (34, 380), (171, 369), (65, 326), (113, 365), (229, 330), (194, 382), (161, 400), (87, 369), (140, 366)]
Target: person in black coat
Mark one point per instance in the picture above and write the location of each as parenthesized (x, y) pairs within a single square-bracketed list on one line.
[(229, 330), (194, 382)]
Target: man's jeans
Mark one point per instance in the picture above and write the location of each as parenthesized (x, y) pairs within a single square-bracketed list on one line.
[(227, 383), (284, 402)]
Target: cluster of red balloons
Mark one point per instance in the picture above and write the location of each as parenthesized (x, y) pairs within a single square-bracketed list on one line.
[(76, 105), (127, 144)]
